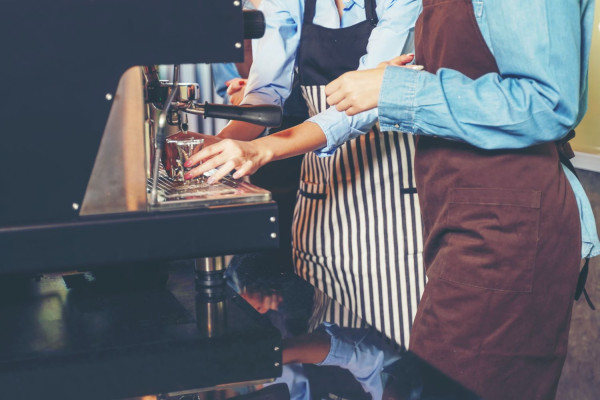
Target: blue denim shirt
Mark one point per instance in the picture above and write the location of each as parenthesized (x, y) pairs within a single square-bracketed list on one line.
[(542, 50), (222, 73), (274, 55), (363, 353)]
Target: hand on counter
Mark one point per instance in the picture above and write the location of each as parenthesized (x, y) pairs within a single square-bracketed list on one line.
[(358, 91), (245, 157)]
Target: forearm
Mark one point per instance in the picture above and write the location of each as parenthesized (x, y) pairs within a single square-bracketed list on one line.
[(246, 157), (240, 130), (311, 348), (491, 112), (294, 141)]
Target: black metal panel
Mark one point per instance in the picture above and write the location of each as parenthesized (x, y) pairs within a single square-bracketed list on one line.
[(92, 242), (96, 345), (59, 60)]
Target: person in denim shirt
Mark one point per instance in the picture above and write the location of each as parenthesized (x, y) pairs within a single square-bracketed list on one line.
[(502, 81), (487, 112)]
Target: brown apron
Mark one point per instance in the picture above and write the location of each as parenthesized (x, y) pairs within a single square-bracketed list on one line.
[(503, 241)]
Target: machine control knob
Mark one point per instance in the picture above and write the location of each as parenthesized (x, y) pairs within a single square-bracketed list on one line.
[(254, 24)]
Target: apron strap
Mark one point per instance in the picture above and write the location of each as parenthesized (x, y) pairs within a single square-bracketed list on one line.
[(565, 153), (370, 6), (309, 11)]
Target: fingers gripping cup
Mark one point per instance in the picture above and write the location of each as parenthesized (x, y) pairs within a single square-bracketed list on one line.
[(178, 149)]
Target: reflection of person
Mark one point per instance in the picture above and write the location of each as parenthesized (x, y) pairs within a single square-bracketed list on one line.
[(382, 372), (361, 351), (501, 215), (357, 228), (258, 279)]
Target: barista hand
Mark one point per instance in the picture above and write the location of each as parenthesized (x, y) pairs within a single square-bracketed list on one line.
[(358, 91), (235, 90), (227, 155), (399, 61)]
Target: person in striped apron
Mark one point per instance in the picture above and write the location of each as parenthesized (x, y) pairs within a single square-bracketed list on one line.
[(357, 225)]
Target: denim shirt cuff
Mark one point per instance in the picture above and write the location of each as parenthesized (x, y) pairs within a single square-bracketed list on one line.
[(340, 353), (336, 131), (397, 99)]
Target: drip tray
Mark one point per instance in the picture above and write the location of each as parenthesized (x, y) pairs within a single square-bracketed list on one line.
[(171, 194)]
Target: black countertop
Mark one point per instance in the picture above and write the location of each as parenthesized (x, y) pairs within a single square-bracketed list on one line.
[(127, 334)]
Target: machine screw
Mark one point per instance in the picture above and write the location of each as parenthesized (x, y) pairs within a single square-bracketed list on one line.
[(236, 3), (108, 97), (238, 45), (273, 235), (272, 219), (75, 206)]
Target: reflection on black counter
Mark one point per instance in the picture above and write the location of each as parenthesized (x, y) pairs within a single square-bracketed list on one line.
[(101, 340), (328, 353), (288, 302)]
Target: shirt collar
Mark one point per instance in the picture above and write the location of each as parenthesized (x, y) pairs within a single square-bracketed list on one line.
[(349, 3)]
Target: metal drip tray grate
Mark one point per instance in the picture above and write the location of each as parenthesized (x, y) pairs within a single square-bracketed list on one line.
[(171, 194)]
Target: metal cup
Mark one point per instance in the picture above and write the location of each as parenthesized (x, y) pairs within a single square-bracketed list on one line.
[(178, 149)]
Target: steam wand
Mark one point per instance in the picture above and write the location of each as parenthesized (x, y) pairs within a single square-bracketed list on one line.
[(160, 135)]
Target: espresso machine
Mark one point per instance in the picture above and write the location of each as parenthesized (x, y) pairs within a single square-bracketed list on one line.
[(84, 119), (82, 122)]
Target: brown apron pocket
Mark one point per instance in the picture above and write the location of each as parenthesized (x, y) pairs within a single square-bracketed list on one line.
[(492, 238)]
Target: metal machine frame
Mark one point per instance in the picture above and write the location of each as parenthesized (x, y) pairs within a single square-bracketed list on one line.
[(62, 62)]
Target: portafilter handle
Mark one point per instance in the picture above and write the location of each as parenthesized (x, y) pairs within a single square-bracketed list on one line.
[(263, 114)]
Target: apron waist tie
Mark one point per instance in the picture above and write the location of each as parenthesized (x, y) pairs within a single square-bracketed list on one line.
[(581, 284), (565, 153)]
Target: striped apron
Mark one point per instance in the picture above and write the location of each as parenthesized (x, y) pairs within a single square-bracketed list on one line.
[(357, 226)]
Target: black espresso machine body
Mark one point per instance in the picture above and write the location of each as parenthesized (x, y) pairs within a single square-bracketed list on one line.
[(62, 63)]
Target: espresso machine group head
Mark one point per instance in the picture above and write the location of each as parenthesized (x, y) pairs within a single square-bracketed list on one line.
[(169, 102)]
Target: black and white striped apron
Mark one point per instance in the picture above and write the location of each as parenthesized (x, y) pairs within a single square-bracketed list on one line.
[(357, 225)]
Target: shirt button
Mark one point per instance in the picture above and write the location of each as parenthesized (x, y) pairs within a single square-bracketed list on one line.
[(396, 126)]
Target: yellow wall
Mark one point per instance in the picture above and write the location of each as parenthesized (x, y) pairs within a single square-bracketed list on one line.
[(588, 132)]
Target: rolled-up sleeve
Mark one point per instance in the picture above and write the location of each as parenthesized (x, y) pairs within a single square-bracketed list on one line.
[(274, 55)]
